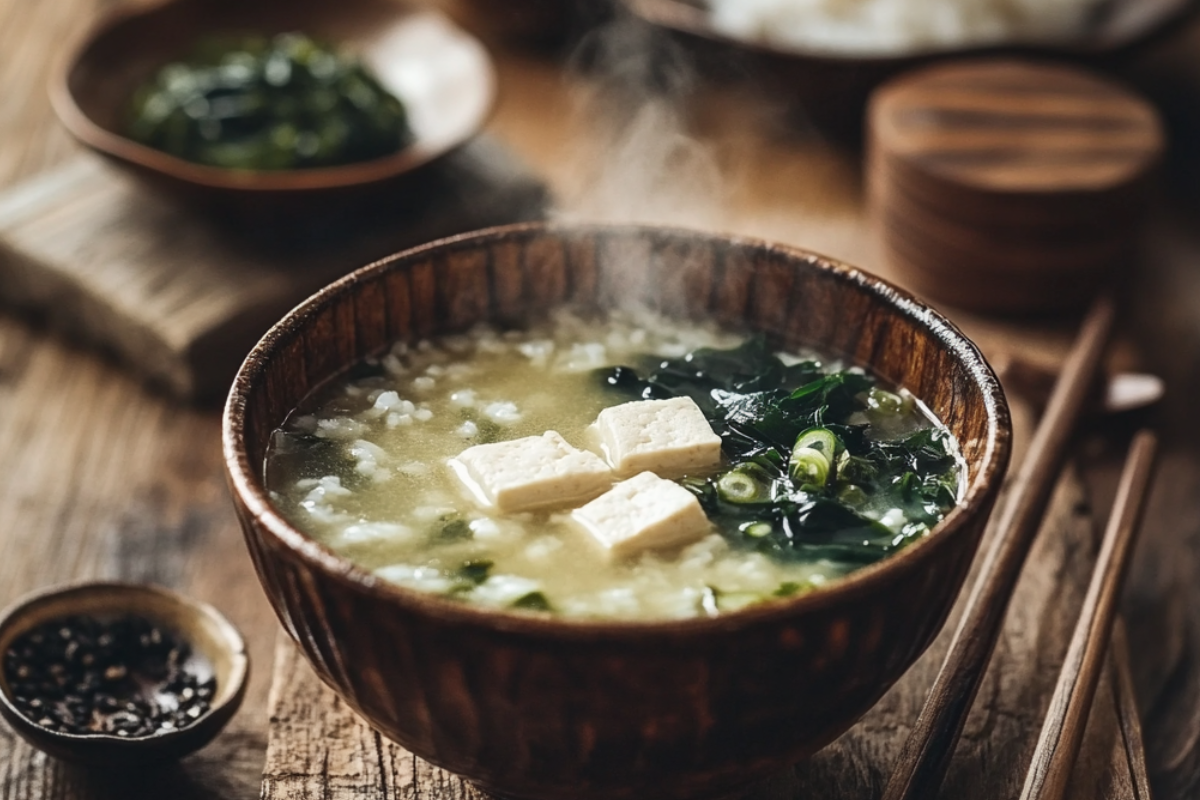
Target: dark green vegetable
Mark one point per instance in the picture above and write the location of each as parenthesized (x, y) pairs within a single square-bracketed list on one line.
[(809, 467), (534, 601), (474, 572), (452, 528), (268, 104)]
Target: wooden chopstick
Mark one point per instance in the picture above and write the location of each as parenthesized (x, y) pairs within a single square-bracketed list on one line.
[(926, 754), (1125, 701), (1066, 719)]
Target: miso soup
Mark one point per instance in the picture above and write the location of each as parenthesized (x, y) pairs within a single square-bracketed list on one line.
[(818, 470)]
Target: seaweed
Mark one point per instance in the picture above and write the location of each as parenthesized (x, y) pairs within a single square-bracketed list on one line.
[(759, 406)]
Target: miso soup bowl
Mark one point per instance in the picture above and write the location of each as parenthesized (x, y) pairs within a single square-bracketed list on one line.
[(531, 706)]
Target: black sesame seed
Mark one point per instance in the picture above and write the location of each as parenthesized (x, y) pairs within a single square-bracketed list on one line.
[(124, 677)]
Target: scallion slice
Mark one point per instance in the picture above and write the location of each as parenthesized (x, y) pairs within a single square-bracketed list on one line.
[(809, 467), (748, 483)]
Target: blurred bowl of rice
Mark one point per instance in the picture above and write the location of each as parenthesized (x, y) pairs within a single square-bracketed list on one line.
[(825, 56)]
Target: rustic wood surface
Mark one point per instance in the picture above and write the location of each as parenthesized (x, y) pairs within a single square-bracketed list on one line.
[(107, 479), (181, 298), (925, 758), (1065, 725)]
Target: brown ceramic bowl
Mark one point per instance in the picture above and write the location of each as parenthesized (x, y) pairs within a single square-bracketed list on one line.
[(534, 707), (444, 77), (830, 89), (216, 645)]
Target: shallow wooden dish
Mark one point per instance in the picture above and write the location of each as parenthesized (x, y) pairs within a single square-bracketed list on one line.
[(444, 77), (1011, 186), (831, 89), (535, 707), (213, 639)]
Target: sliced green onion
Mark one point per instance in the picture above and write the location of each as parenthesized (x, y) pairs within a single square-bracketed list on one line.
[(809, 467), (746, 483), (820, 439), (757, 530)]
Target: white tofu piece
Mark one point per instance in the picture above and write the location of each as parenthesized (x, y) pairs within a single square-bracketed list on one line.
[(534, 472), (643, 513), (668, 437)]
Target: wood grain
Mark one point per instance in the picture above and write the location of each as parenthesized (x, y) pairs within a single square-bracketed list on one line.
[(1062, 730), (1009, 185), (116, 481), (922, 766), (180, 298)]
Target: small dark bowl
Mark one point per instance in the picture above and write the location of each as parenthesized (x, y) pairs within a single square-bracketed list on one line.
[(546, 708), (212, 637), (444, 77)]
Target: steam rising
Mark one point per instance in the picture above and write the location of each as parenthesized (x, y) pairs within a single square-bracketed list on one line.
[(642, 165), (755, 172)]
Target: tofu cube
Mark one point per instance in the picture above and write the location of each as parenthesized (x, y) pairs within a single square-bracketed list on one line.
[(668, 437), (534, 472), (645, 512)]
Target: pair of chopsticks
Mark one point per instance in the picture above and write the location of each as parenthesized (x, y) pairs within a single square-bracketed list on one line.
[(927, 752)]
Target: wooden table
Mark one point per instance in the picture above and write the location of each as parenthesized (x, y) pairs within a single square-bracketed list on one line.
[(103, 478)]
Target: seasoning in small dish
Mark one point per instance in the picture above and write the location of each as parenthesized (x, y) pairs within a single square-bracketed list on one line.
[(118, 674), (124, 676), (253, 103)]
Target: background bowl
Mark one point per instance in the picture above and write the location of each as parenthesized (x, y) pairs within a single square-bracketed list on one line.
[(214, 640), (444, 77), (543, 24), (544, 708), (830, 90)]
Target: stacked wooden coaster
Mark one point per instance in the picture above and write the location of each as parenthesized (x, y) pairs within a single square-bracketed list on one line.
[(1008, 185)]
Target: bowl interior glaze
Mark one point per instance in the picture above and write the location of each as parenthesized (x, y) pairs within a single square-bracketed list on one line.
[(526, 705)]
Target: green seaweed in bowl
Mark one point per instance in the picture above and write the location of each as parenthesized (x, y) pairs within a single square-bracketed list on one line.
[(280, 103)]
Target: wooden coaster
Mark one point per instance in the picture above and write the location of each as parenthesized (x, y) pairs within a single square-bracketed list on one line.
[(1007, 185), (180, 298)]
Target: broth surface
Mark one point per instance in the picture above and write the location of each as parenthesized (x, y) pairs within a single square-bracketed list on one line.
[(362, 468)]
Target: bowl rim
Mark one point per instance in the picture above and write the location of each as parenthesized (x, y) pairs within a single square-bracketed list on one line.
[(689, 17), (246, 483), (358, 173), (226, 697)]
